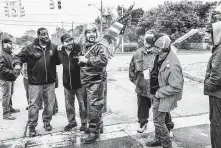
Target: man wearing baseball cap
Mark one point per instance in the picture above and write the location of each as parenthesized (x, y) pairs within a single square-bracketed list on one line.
[(68, 57), (170, 86), (7, 78), (142, 61)]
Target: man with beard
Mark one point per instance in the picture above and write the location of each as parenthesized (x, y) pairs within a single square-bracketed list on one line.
[(41, 58), (68, 56), (7, 78), (93, 66)]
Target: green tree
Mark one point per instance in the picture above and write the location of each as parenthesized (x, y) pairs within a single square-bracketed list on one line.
[(56, 37), (28, 36), (176, 18)]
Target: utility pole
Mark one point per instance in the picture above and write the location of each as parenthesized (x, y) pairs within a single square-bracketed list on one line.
[(101, 23), (72, 26), (122, 13)]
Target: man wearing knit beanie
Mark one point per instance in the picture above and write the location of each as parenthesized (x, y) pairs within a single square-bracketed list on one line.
[(170, 86), (141, 65)]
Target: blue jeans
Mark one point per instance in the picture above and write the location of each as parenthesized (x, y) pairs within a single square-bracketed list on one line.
[(70, 104), (7, 91), (36, 93)]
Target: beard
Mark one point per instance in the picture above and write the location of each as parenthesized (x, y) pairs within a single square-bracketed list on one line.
[(91, 39), (44, 41)]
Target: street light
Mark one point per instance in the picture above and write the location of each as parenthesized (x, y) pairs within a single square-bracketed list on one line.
[(101, 13)]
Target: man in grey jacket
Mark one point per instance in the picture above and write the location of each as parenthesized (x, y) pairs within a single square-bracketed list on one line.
[(170, 81), (212, 85)]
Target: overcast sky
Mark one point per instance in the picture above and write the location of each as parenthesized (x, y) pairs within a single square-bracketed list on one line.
[(78, 11)]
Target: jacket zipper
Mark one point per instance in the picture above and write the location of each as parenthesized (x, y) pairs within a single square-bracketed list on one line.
[(45, 66), (69, 69)]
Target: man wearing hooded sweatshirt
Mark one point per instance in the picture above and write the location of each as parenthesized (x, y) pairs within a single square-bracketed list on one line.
[(93, 65), (142, 60), (68, 56), (170, 81), (212, 85), (41, 58), (7, 78)]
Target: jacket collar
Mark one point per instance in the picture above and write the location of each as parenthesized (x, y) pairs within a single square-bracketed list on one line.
[(37, 45), (168, 60)]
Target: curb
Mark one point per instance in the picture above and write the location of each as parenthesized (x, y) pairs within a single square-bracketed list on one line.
[(75, 137), (192, 77)]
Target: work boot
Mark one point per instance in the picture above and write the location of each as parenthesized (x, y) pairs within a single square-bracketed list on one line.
[(142, 127), (70, 126), (91, 138), (8, 116), (12, 110), (153, 143), (83, 127), (47, 126), (32, 131)]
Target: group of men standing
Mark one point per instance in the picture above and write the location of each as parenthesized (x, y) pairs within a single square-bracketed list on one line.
[(82, 77), (154, 69)]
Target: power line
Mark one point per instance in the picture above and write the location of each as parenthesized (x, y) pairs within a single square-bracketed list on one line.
[(10, 24), (32, 21)]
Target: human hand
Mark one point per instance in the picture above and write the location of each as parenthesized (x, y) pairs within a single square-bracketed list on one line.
[(59, 47), (82, 59), (17, 70)]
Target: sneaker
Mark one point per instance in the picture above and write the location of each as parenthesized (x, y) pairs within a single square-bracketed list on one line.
[(142, 128), (83, 127), (91, 138), (70, 126), (47, 126), (8, 117), (153, 143), (12, 110), (32, 131)]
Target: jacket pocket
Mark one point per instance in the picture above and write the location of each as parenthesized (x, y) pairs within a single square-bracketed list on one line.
[(139, 65)]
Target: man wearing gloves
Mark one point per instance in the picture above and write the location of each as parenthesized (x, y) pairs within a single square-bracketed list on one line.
[(141, 65), (68, 56), (170, 81)]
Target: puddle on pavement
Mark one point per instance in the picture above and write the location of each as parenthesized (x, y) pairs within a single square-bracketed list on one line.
[(73, 141), (119, 69)]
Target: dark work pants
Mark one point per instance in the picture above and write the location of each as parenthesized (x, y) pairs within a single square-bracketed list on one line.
[(215, 121), (162, 122), (144, 105), (95, 106)]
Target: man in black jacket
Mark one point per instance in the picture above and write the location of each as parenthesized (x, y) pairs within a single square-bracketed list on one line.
[(68, 56), (7, 78), (41, 58)]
